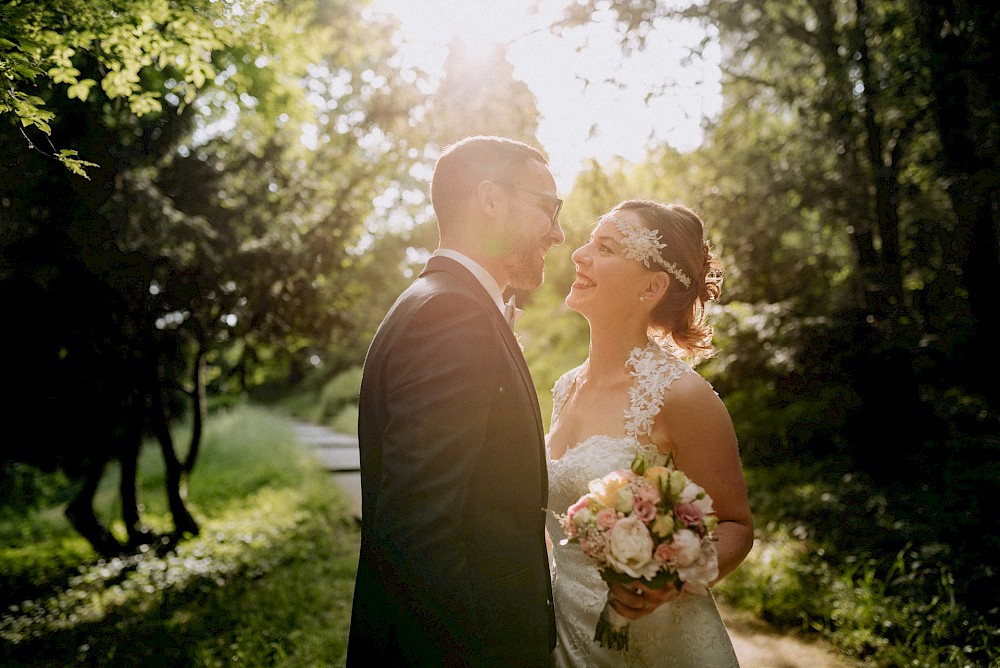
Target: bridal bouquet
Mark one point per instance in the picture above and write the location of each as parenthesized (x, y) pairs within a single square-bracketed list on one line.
[(650, 523)]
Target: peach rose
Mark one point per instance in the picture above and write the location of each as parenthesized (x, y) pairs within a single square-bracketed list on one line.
[(606, 490)]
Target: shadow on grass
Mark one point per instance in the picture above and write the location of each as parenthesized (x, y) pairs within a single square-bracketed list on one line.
[(268, 583)]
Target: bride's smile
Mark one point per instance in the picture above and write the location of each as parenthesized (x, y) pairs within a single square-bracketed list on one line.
[(582, 282)]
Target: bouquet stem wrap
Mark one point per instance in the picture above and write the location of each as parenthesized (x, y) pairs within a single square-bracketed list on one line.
[(612, 629)]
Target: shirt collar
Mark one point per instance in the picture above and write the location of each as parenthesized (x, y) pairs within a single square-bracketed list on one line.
[(489, 283)]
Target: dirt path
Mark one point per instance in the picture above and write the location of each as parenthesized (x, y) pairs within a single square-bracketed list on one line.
[(760, 645), (757, 643)]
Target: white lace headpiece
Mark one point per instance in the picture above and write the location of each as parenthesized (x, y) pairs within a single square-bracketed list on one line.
[(643, 244)]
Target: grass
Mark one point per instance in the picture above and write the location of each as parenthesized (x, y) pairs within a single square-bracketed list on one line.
[(268, 582)]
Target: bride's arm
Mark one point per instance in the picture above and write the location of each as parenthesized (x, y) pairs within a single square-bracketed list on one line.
[(695, 426)]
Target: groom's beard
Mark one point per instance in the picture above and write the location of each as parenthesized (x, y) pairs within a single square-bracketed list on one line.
[(525, 263), (526, 271)]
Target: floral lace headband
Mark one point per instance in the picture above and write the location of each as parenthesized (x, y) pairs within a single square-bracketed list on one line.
[(643, 244)]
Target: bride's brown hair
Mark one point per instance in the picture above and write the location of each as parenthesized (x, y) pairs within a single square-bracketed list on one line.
[(679, 316)]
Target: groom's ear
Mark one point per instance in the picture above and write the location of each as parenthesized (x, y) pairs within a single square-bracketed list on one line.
[(488, 198)]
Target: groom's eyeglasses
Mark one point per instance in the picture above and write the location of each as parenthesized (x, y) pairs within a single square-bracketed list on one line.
[(552, 202)]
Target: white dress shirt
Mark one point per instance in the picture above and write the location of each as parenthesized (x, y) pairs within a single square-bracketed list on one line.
[(483, 276)]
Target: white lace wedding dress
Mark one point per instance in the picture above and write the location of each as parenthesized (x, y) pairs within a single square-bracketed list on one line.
[(687, 633)]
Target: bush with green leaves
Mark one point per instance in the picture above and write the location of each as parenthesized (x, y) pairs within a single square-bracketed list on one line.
[(833, 557)]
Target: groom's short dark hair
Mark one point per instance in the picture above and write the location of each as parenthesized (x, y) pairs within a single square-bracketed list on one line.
[(465, 164)]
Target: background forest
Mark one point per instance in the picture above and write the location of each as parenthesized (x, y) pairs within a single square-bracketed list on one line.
[(171, 245)]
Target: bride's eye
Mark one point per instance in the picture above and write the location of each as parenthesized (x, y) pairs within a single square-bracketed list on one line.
[(604, 248)]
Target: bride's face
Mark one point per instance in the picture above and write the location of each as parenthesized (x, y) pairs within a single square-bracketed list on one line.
[(607, 282)]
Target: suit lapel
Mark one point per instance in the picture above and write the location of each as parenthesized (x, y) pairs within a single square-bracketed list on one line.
[(467, 279)]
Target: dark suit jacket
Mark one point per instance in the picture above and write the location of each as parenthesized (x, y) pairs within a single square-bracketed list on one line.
[(453, 567)]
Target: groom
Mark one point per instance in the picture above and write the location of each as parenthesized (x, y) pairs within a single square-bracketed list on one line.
[(453, 568)]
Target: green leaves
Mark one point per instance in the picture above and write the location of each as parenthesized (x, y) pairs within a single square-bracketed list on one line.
[(80, 90), (74, 164), (49, 45)]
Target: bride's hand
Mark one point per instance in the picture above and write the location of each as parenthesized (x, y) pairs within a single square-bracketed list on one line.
[(635, 599)]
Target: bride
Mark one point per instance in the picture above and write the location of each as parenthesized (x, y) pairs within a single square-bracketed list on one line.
[(642, 283)]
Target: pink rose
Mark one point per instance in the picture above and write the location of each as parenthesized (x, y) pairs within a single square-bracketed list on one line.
[(688, 513), (663, 553), (644, 510), (606, 518)]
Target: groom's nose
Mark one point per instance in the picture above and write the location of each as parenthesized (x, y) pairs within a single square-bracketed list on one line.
[(556, 233)]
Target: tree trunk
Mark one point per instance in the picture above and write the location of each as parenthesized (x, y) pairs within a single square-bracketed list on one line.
[(198, 402), (80, 512), (129, 490), (965, 86), (176, 477)]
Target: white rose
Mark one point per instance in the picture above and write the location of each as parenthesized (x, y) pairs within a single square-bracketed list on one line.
[(690, 493), (702, 572), (687, 547), (630, 548), (696, 495)]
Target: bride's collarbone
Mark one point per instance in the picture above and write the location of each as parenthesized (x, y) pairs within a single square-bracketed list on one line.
[(601, 391), (586, 415), (601, 403)]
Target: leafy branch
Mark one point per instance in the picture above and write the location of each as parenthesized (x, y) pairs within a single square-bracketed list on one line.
[(41, 44)]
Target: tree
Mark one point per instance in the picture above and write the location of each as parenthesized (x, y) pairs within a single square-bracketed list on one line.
[(893, 100), (963, 67), (479, 95), (212, 247)]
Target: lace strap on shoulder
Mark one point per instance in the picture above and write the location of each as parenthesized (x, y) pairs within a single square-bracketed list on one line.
[(654, 369), (560, 391)]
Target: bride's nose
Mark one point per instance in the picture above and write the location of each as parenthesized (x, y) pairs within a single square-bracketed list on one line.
[(580, 254)]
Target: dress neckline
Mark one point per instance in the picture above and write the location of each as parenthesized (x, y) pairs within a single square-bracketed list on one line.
[(586, 443), (646, 365)]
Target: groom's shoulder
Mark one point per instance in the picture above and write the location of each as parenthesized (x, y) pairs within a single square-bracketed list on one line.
[(436, 293), (434, 285)]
